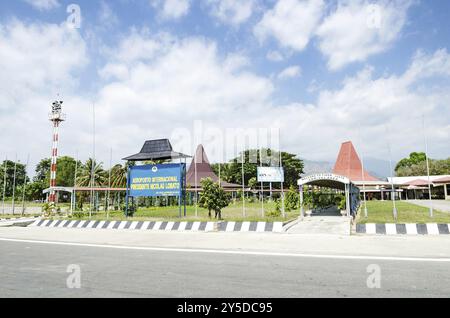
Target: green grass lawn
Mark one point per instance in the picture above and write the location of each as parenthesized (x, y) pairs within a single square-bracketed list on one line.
[(231, 213), (381, 212)]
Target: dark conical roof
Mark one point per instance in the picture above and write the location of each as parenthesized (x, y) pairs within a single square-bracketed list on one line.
[(159, 149), (200, 165)]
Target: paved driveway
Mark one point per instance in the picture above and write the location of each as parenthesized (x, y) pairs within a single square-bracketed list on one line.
[(440, 205)]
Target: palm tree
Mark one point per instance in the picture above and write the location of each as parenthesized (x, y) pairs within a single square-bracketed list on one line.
[(119, 176), (92, 171)]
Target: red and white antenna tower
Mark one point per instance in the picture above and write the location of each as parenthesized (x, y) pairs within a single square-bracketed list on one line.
[(56, 117)]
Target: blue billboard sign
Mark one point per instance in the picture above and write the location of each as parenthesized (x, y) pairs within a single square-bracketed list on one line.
[(155, 180)]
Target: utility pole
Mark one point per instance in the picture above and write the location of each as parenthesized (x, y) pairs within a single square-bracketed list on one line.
[(4, 185), (428, 166), (14, 186), (25, 182)]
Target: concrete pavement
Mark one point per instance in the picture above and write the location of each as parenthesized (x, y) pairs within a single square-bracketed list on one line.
[(34, 263), (440, 205), (36, 270)]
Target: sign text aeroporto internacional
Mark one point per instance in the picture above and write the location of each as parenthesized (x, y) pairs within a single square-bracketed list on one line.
[(155, 180)]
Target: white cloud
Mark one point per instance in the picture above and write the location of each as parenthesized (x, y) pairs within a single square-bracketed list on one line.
[(167, 82), (291, 22), (358, 29), (275, 56), (290, 72), (38, 61), (43, 5), (107, 16), (233, 12), (171, 9)]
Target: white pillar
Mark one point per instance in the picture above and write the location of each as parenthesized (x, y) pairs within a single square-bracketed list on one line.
[(445, 192), (347, 198), (302, 211)]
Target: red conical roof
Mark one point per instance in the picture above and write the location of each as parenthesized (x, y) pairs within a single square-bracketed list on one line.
[(349, 165)]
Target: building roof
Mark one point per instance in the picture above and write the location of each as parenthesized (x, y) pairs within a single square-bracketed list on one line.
[(418, 183), (200, 165), (159, 149), (443, 180), (349, 165), (434, 179)]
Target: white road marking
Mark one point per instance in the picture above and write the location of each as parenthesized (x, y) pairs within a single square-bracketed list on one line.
[(209, 227), (230, 226), (145, 225), (90, 224), (411, 229), (391, 229), (277, 227), (245, 226), (182, 226), (111, 225), (195, 226), (169, 226), (371, 228), (157, 226), (231, 252), (133, 225), (432, 229), (261, 227)]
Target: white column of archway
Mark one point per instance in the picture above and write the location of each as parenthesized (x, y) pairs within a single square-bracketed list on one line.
[(302, 211), (347, 198)]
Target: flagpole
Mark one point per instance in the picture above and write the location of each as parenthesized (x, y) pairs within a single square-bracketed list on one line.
[(428, 166), (74, 193), (243, 183), (92, 161), (363, 174), (14, 186), (25, 185), (262, 185), (4, 185), (394, 209), (282, 189), (196, 186), (109, 183)]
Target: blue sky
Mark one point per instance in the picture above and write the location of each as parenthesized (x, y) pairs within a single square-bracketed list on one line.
[(301, 65)]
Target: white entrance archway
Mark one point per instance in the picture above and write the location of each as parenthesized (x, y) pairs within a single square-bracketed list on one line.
[(333, 181)]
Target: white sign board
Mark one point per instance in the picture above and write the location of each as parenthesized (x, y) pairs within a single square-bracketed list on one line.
[(270, 174)]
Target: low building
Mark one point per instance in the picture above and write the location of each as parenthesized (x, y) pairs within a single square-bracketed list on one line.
[(418, 187)]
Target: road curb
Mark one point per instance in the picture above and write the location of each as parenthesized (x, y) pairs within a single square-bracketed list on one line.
[(225, 226), (18, 218), (403, 229)]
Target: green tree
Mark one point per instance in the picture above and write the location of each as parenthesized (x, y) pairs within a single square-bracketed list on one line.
[(213, 198), (65, 175), (119, 176), (42, 170), (413, 159), (34, 190), (253, 183), (20, 176), (437, 167), (292, 199), (232, 171), (91, 171)]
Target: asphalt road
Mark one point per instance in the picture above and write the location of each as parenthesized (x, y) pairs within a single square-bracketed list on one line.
[(40, 270)]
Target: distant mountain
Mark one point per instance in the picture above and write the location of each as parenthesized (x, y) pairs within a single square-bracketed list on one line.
[(376, 167), (313, 167)]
